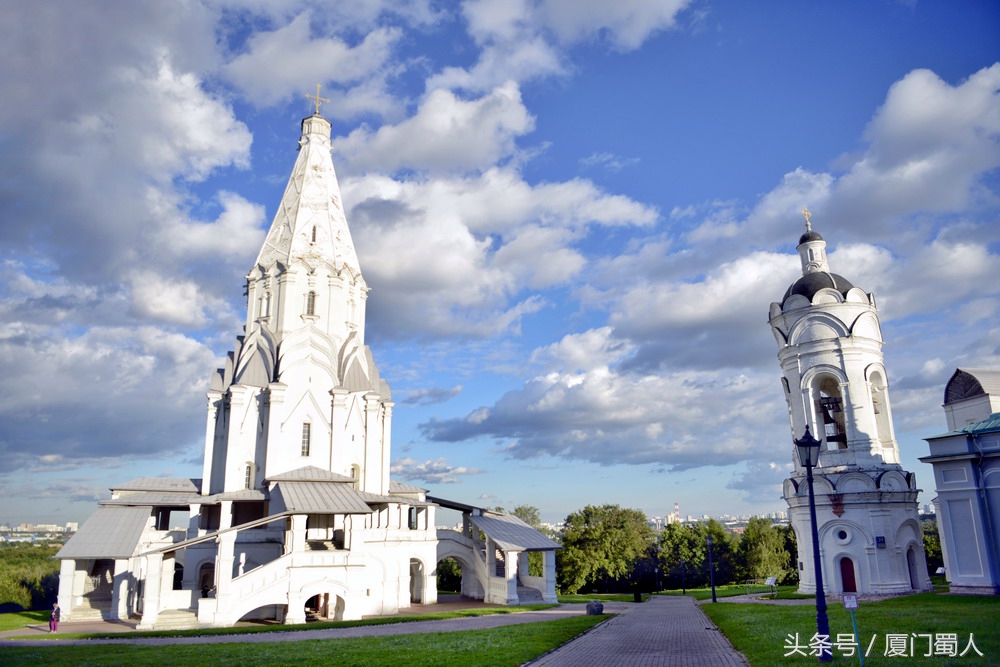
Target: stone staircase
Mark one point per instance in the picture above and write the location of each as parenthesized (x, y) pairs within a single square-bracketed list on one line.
[(528, 595), (86, 614), (177, 619)]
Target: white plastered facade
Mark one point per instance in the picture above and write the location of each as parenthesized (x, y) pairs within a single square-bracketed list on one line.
[(295, 515), (830, 351)]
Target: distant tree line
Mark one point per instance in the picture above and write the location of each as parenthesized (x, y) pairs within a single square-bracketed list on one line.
[(29, 576), (610, 549)]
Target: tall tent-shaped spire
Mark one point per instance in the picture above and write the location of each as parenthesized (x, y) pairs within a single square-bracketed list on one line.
[(300, 387), (310, 223)]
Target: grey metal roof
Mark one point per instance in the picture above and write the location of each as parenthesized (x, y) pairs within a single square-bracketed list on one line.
[(156, 498), (512, 534), (379, 499), (321, 498), (402, 487), (160, 484), (242, 494), (110, 532), (309, 474)]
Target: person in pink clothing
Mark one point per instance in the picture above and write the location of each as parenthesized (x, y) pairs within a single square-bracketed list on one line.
[(54, 617)]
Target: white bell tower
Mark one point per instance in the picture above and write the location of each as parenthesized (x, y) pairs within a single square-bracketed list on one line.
[(830, 351)]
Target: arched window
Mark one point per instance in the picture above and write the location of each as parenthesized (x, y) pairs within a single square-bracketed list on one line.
[(306, 438), (880, 406), (311, 303), (313, 240), (248, 476), (830, 407)]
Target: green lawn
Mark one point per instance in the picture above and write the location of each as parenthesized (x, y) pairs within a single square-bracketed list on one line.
[(761, 631), (22, 619), (583, 598), (784, 592), (498, 647)]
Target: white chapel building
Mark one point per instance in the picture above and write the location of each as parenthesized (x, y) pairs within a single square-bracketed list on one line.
[(830, 351), (966, 461), (295, 513)]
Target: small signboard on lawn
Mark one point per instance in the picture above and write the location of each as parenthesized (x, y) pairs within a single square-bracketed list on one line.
[(850, 600)]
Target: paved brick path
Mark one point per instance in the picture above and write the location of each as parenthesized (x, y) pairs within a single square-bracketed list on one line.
[(664, 631)]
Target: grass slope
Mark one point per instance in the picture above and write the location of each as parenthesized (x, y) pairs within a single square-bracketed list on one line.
[(761, 631), (498, 647)]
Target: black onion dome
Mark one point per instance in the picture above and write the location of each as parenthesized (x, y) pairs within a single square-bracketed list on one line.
[(810, 236), (811, 283)]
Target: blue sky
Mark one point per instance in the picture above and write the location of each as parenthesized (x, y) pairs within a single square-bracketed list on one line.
[(573, 215)]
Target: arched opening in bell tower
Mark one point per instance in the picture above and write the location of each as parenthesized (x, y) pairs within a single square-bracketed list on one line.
[(830, 408), (880, 406)]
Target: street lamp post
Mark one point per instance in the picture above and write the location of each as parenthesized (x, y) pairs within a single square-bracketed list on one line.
[(808, 449), (711, 567), (683, 572)]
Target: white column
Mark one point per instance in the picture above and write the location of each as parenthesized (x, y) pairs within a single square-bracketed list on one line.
[(151, 594), (67, 577), (295, 537), (510, 572), (372, 473), (275, 411), (214, 401), (237, 451), (119, 589), (340, 457), (549, 572), (386, 443)]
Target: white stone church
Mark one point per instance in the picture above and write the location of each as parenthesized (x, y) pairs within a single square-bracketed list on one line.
[(296, 514), (830, 351)]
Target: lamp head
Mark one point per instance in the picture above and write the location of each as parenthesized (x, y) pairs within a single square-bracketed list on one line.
[(808, 449)]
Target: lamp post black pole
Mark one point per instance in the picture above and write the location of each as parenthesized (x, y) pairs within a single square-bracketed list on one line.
[(711, 567), (808, 456), (683, 572)]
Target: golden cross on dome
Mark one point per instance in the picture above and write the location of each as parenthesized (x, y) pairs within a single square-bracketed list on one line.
[(317, 99), (808, 216)]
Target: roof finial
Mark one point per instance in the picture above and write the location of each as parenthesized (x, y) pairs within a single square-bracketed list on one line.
[(807, 215), (317, 99)]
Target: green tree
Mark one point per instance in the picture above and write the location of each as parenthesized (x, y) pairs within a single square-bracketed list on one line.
[(932, 545), (791, 574), (601, 544), (29, 576), (529, 514), (723, 551), (761, 551), (449, 575), (683, 555)]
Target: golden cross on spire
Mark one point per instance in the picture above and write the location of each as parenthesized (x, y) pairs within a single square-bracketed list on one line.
[(317, 99), (808, 216)]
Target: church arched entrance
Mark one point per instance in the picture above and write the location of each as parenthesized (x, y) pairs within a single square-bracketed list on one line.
[(318, 607), (206, 578), (416, 581), (847, 579), (449, 576), (911, 566)]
